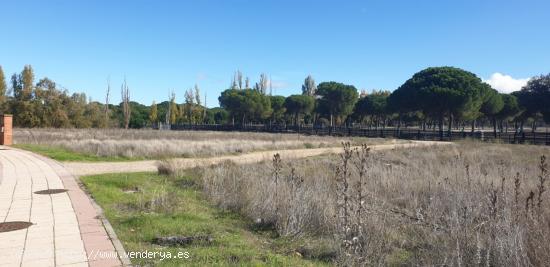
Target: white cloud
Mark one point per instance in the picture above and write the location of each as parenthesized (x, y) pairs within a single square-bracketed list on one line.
[(505, 83)]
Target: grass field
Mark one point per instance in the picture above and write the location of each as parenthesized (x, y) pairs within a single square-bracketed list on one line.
[(143, 206), (120, 144), (469, 204), (62, 154), (465, 204)]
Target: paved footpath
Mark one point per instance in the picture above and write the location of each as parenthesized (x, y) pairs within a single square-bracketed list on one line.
[(66, 229)]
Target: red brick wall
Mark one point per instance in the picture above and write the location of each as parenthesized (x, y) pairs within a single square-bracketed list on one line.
[(6, 135)]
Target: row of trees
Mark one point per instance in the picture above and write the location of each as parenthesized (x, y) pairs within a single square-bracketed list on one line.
[(326, 103), (42, 104), (432, 98), (46, 104)]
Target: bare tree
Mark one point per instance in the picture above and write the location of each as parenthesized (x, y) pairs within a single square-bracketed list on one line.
[(204, 111), (240, 79), (309, 87), (107, 123), (125, 92), (237, 81), (247, 83), (197, 95), (198, 101), (263, 84), (172, 113), (270, 85), (188, 106)]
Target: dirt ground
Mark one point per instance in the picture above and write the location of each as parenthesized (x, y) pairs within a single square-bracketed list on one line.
[(91, 168)]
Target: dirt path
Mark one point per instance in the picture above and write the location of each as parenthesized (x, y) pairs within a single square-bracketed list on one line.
[(91, 168)]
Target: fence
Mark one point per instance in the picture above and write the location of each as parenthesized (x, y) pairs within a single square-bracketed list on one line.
[(536, 138)]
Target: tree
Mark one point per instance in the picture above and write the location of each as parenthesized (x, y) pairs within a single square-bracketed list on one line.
[(76, 107), (535, 97), (94, 114), (247, 83), (16, 87), (140, 115), (277, 107), (239, 79), (127, 112), (374, 105), (197, 95), (188, 105), (217, 116), (263, 84), (510, 109), (444, 91), (172, 114), (200, 110), (51, 106), (406, 100), (153, 115), (27, 81), (298, 105), (309, 88), (3, 90), (23, 108), (492, 104), (107, 114), (247, 103), (336, 100)]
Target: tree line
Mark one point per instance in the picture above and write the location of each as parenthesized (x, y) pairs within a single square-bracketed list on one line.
[(442, 98), (44, 103)]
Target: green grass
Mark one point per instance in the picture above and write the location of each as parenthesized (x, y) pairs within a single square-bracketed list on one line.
[(142, 206), (61, 154)]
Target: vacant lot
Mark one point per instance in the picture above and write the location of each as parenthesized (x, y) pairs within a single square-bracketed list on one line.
[(144, 206), (471, 204), (119, 144)]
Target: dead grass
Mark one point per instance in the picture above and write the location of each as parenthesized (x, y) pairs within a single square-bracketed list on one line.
[(471, 204), (155, 144)]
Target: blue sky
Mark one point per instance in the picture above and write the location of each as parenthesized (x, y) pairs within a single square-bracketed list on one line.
[(171, 45)]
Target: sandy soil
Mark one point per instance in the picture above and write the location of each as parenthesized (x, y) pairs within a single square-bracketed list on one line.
[(91, 168)]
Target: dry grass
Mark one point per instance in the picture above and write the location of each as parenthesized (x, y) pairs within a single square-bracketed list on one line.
[(471, 204), (158, 144)]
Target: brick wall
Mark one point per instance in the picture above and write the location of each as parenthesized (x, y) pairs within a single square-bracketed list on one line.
[(6, 135)]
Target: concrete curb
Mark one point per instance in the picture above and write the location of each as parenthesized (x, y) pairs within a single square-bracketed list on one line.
[(110, 231)]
